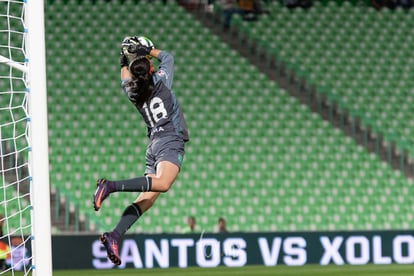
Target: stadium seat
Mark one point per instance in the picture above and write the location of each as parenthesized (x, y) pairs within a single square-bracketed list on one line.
[(257, 156)]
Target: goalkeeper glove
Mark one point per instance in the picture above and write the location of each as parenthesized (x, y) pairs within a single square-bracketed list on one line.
[(123, 61), (134, 51), (132, 48), (128, 47), (142, 50)]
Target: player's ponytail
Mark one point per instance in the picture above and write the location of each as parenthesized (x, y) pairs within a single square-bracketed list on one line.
[(141, 84)]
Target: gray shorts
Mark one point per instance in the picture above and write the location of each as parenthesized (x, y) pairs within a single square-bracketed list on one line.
[(169, 148)]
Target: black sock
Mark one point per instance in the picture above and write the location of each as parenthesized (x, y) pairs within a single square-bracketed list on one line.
[(139, 184), (130, 216)]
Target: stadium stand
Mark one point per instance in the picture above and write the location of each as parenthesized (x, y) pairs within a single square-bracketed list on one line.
[(257, 156), (356, 55)]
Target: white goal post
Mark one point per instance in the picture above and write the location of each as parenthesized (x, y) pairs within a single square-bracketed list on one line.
[(39, 159), (33, 69)]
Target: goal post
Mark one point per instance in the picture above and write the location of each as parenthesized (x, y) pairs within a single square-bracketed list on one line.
[(38, 156), (24, 131)]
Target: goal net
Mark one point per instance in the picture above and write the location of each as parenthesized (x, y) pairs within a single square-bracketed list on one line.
[(24, 192)]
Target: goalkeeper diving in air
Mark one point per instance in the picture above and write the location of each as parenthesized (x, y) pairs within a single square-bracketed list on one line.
[(150, 92)]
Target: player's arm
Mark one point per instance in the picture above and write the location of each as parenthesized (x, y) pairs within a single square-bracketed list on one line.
[(154, 53), (124, 63), (125, 74), (166, 67), (131, 48)]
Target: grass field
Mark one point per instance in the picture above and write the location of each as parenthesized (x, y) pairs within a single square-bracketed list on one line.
[(308, 270)]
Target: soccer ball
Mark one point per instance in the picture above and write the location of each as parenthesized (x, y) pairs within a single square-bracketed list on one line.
[(145, 41), (129, 44)]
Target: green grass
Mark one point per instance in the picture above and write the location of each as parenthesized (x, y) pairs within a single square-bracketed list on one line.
[(308, 270)]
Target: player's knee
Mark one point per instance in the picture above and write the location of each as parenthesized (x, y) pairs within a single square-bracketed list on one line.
[(161, 185), (164, 188)]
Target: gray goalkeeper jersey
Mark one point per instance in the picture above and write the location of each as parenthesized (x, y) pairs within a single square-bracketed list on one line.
[(162, 112)]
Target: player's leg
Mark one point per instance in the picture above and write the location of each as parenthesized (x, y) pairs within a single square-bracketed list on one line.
[(166, 174), (161, 182), (146, 200), (130, 215), (134, 211), (105, 187), (163, 161)]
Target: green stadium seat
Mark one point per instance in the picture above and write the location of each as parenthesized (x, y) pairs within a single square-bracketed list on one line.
[(295, 172)]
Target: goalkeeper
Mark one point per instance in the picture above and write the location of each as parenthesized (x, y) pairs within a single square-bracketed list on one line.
[(150, 92)]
